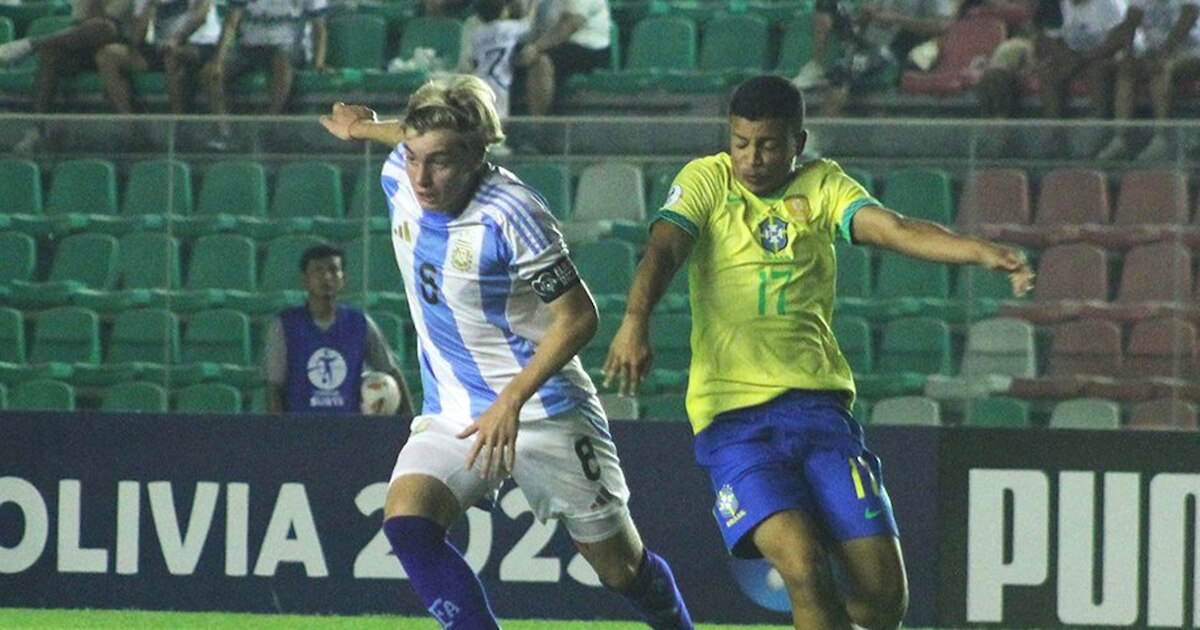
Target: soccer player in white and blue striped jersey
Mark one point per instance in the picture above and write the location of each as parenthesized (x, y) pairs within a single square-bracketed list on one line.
[(500, 314)]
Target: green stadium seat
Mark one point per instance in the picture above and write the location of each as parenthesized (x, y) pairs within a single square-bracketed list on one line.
[(372, 273), (231, 192), (442, 34), (368, 203), (863, 177), (907, 286), (81, 261), (149, 262), (998, 413), (12, 336), (854, 289), (659, 45), (80, 189), (553, 181), (216, 346), (307, 196), (677, 298), (979, 293), (143, 344), (732, 47), (400, 336), (209, 398), (607, 267), (1086, 413), (218, 263), (42, 395), (909, 350), (21, 190), (795, 50), (357, 41), (19, 260), (279, 281), (258, 400), (593, 354), (7, 29), (853, 336), (19, 76), (3, 396), (157, 190), (922, 193), (659, 178), (671, 335), (65, 334), (134, 396)]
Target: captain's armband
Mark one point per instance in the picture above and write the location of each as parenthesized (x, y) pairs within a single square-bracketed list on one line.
[(555, 280)]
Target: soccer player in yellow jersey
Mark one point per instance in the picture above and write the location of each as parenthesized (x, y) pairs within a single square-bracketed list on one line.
[(769, 390)]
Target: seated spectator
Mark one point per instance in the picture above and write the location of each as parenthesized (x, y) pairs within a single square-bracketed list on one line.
[(1015, 62), (316, 352), (185, 32), (492, 46), (877, 38), (271, 35), (95, 24), (1166, 56), (1093, 33), (568, 37)]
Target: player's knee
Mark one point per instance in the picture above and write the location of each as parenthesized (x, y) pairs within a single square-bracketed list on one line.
[(616, 571), (881, 608), (806, 575)]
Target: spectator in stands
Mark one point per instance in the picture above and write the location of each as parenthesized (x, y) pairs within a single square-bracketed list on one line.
[(492, 45), (273, 35), (769, 392), (316, 353), (1166, 57), (95, 24), (876, 40), (185, 34), (444, 8), (1015, 61), (1094, 33), (502, 315), (568, 37)]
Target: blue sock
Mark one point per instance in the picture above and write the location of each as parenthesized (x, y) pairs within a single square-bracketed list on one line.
[(655, 596), (442, 579)]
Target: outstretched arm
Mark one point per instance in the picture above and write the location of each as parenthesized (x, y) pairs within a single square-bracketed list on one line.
[(573, 323), (884, 228), (356, 122), (629, 357)]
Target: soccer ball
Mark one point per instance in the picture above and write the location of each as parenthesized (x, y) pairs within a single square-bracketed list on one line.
[(380, 394)]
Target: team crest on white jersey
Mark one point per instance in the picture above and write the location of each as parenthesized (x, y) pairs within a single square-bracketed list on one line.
[(727, 506), (461, 256)]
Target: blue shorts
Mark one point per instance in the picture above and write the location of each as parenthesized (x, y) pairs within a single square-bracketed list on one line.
[(801, 450)]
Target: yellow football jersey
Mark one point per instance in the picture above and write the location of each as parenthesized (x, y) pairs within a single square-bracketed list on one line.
[(762, 276)]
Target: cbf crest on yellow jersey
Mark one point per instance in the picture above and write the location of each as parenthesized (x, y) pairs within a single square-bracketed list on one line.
[(762, 275)]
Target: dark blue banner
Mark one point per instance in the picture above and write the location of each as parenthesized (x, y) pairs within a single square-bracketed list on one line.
[(262, 514)]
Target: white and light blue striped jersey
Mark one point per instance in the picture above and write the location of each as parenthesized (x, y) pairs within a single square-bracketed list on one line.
[(467, 278)]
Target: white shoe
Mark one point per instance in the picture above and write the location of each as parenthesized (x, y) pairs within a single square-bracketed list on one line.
[(14, 51), (1114, 150), (812, 75), (1157, 151)]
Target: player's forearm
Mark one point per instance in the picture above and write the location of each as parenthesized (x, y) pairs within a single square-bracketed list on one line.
[(559, 33), (654, 273), (388, 132), (568, 333), (934, 243)]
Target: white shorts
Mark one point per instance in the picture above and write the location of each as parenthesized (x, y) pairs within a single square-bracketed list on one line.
[(567, 466)]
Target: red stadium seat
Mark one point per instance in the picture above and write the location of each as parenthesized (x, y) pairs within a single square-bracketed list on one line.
[(963, 53), (1153, 278), (1069, 276), (1081, 351), (1068, 198), (1151, 202), (1163, 414), (992, 199)]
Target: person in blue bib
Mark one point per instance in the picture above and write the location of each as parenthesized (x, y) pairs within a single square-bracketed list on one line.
[(316, 352)]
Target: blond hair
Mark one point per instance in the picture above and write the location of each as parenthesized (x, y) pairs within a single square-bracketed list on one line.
[(460, 102)]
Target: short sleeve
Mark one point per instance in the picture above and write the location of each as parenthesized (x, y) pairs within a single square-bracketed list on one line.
[(843, 197), (696, 191), (530, 235)]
